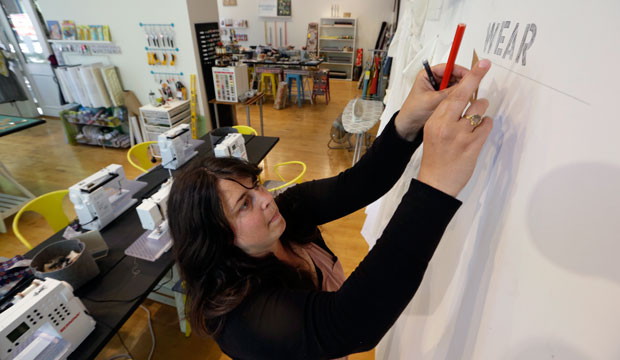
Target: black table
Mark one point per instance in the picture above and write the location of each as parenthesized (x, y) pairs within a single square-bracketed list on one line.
[(125, 281)]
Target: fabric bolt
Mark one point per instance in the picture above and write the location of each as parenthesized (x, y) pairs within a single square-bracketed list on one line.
[(407, 53)]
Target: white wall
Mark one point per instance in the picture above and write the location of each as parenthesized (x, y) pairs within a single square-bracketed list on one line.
[(369, 14), (528, 267), (124, 17)]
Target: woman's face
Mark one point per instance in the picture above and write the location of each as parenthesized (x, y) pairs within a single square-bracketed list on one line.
[(253, 216)]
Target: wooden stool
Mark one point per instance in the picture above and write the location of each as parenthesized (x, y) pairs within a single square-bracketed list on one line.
[(320, 85)]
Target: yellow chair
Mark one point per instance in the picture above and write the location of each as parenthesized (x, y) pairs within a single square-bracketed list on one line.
[(245, 130), (50, 207), (296, 180), (140, 152)]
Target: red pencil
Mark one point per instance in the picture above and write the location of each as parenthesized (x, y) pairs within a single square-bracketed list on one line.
[(460, 29)]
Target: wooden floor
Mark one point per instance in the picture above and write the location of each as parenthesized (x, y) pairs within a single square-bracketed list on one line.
[(42, 161)]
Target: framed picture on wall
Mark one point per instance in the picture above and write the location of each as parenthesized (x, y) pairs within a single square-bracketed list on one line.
[(230, 2), (284, 7)]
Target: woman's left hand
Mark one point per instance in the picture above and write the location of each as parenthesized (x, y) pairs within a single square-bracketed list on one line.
[(423, 99)]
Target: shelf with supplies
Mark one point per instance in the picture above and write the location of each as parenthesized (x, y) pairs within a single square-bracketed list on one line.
[(338, 36), (156, 120), (88, 42), (106, 127)]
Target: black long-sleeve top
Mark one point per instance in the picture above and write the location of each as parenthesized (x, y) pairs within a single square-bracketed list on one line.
[(298, 323)]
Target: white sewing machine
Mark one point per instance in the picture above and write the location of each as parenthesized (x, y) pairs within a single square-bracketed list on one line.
[(176, 146), (232, 145), (103, 196), (153, 216), (45, 318)]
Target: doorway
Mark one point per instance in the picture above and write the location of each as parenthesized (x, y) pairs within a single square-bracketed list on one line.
[(24, 40)]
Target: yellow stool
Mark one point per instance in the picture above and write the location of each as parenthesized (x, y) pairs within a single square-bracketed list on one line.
[(264, 78)]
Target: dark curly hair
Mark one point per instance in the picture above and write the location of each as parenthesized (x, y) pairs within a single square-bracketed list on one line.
[(218, 275)]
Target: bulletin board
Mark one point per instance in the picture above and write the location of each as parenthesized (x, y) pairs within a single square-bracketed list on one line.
[(528, 267)]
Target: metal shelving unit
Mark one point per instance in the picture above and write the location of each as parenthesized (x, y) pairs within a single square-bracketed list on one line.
[(334, 35)]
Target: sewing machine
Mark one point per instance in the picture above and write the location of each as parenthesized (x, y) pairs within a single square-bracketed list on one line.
[(176, 146), (45, 319), (153, 216), (232, 145), (103, 196)]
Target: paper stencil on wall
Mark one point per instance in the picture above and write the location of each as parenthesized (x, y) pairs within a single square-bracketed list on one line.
[(527, 269), (267, 8)]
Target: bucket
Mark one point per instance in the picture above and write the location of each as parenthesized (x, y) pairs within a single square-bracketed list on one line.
[(82, 270)]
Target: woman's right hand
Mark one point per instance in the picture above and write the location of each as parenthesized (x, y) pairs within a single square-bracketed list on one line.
[(451, 143)]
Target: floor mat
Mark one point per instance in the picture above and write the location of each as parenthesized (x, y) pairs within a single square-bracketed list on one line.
[(11, 124)]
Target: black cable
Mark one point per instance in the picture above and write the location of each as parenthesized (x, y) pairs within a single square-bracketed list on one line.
[(111, 300), (162, 285)]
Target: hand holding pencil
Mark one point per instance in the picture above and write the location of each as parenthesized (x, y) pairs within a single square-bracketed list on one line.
[(423, 99), (426, 94)]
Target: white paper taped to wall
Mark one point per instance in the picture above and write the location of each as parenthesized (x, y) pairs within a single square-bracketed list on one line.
[(526, 269)]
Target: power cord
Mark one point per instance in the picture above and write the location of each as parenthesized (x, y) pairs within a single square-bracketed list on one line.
[(129, 355), (151, 329), (122, 356)]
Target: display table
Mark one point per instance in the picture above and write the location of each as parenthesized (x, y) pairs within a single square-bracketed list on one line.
[(258, 98), (371, 113)]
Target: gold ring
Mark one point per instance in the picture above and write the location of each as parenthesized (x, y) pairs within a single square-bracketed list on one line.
[(474, 120)]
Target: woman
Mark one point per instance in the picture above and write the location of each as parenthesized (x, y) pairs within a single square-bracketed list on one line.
[(258, 274)]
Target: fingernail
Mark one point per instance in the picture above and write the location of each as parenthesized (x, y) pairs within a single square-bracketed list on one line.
[(483, 64)]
